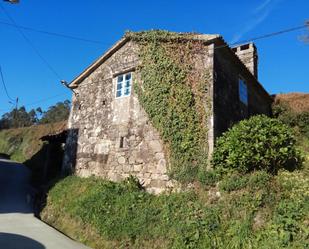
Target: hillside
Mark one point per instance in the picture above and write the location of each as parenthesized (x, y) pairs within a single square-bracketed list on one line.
[(256, 209), (25, 146), (23, 143), (298, 102)]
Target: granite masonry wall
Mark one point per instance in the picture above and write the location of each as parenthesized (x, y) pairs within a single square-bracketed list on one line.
[(228, 109), (113, 138)]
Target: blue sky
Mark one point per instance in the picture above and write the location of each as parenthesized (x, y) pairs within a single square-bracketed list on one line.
[(283, 59)]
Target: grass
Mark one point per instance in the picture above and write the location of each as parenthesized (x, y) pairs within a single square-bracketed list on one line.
[(263, 211), (298, 102), (22, 143)]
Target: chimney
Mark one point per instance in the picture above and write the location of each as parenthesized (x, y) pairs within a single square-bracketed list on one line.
[(247, 53)]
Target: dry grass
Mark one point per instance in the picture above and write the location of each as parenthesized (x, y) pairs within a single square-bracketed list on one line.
[(22, 143), (299, 102)]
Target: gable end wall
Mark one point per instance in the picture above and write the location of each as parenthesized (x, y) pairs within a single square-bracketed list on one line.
[(100, 121)]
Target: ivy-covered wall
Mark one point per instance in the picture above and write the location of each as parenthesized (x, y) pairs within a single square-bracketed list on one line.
[(175, 89), (165, 125)]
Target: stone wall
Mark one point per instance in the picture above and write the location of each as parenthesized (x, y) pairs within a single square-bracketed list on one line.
[(228, 109), (114, 137)]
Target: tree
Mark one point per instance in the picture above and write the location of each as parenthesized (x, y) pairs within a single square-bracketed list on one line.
[(56, 113), (17, 118), (21, 118)]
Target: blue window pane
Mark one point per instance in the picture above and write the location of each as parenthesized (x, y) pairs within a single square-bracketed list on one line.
[(243, 92), (128, 76), (119, 86), (128, 83), (118, 94), (120, 78), (127, 91)]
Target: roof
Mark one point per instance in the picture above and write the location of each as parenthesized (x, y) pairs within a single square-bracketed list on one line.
[(162, 36), (209, 38), (58, 132)]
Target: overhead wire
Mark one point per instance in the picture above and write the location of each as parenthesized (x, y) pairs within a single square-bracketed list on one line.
[(52, 33), (51, 68), (306, 25), (4, 86)]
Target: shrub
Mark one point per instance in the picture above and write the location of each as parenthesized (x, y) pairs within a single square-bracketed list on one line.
[(259, 143), (294, 119), (234, 182)]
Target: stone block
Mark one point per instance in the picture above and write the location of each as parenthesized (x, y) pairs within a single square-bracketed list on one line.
[(127, 168), (137, 167), (121, 160), (159, 155), (161, 166), (131, 160), (155, 146)]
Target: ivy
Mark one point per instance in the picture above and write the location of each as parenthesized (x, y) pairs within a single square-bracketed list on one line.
[(173, 93)]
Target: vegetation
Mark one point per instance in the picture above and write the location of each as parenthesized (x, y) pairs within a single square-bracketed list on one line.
[(18, 118), (257, 211), (56, 113), (257, 143), (23, 143), (243, 207), (173, 95), (293, 110), (25, 146)]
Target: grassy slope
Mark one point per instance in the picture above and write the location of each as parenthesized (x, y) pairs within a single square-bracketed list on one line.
[(239, 211), (22, 143), (299, 102), (254, 211)]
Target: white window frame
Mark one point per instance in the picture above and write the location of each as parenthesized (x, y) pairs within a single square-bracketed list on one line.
[(243, 91), (122, 85)]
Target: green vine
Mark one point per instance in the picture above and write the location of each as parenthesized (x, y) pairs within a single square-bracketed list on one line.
[(173, 93)]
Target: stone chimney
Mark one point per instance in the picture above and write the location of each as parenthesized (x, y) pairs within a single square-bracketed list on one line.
[(247, 53)]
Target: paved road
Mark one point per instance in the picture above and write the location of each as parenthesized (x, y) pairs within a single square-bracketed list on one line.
[(19, 229)]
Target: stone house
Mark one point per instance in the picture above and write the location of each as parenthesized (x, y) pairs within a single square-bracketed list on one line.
[(110, 133)]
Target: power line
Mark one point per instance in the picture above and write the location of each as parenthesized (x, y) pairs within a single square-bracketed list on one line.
[(4, 86), (31, 44), (36, 102), (272, 34), (306, 25), (52, 33), (44, 99)]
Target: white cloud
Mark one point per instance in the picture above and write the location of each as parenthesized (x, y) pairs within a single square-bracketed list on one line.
[(259, 14), (262, 6)]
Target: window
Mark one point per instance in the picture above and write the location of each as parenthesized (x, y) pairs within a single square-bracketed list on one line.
[(124, 83), (243, 91)]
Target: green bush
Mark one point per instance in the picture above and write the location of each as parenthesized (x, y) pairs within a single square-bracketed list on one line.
[(259, 143), (294, 119), (234, 182)]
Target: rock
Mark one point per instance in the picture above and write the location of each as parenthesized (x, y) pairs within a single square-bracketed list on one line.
[(161, 166), (155, 146), (121, 160), (137, 167)]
